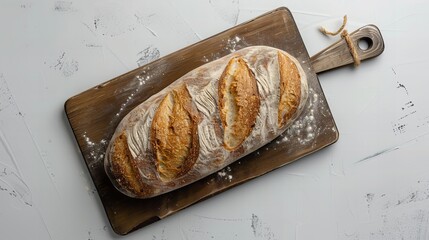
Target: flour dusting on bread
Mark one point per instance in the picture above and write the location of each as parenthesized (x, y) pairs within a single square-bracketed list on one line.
[(206, 120)]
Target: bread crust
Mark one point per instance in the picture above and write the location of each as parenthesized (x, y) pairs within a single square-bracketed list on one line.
[(206, 120), (125, 169), (174, 135), (238, 102), (290, 89)]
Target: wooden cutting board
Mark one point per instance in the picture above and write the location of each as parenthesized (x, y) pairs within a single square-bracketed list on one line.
[(95, 113)]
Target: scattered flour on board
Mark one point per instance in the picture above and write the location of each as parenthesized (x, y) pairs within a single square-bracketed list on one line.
[(96, 149), (225, 174), (306, 127), (232, 44)]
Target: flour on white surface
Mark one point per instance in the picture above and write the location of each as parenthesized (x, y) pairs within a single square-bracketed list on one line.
[(147, 55)]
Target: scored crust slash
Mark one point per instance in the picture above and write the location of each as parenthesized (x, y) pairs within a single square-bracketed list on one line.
[(206, 120), (175, 135), (238, 102)]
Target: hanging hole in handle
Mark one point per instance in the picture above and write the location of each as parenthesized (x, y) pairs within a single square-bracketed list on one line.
[(365, 43)]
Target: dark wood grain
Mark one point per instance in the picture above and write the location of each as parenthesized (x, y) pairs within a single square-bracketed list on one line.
[(95, 113), (338, 54)]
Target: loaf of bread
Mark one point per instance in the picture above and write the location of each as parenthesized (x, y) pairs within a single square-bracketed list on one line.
[(205, 120)]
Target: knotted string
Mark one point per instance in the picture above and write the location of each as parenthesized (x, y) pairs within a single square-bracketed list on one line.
[(345, 35)]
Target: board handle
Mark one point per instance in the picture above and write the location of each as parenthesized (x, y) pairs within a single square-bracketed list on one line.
[(338, 54)]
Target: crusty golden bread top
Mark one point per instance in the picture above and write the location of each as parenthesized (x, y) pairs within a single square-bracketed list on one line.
[(207, 119), (174, 135), (290, 89), (124, 167), (238, 102)]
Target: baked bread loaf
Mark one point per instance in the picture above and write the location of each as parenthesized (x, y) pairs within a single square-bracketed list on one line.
[(205, 120)]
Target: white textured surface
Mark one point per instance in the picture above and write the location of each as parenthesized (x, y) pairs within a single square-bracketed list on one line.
[(371, 184)]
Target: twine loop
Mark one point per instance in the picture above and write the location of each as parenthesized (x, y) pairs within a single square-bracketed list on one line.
[(345, 35)]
